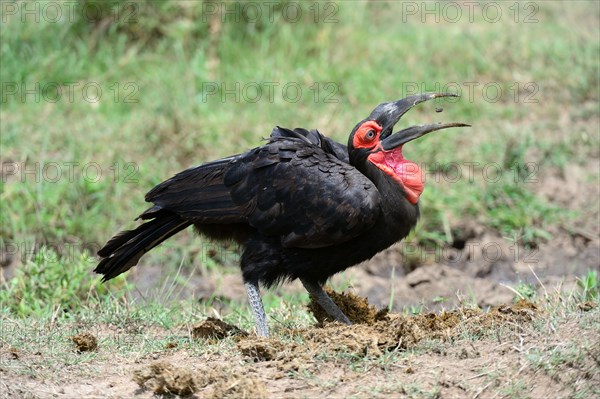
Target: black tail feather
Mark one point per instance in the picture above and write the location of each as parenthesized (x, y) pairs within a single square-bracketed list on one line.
[(124, 250)]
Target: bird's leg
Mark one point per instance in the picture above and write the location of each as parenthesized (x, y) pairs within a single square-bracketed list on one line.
[(260, 318), (319, 295)]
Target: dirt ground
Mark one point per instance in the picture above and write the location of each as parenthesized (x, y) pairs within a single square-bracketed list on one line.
[(515, 350), (458, 354)]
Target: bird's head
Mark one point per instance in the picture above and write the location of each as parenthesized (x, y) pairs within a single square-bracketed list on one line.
[(372, 141)]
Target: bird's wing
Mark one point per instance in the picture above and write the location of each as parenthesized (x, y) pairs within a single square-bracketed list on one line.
[(314, 137), (197, 194), (291, 187), (296, 190)]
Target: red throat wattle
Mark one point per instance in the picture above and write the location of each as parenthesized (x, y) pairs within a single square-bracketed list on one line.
[(405, 172)]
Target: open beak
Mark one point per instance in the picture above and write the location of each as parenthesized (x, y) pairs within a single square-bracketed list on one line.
[(414, 132), (389, 114)]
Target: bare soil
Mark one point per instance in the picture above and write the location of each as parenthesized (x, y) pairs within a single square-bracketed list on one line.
[(506, 352)]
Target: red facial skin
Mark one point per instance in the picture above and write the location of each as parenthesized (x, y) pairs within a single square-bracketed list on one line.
[(391, 162)]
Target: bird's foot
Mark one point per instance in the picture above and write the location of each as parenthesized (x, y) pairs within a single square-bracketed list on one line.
[(258, 310), (319, 295)]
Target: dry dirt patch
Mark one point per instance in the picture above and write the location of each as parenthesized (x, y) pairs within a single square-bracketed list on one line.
[(164, 378), (512, 351), (373, 334), (379, 331)]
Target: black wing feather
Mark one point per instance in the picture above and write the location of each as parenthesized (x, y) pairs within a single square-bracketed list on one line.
[(311, 199), (197, 194), (296, 187), (314, 137)]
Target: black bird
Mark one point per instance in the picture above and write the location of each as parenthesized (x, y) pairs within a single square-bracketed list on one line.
[(302, 205)]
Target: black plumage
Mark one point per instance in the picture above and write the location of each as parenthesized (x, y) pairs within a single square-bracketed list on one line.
[(302, 205)]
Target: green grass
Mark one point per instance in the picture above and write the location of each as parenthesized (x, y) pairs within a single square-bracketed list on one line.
[(49, 281), (156, 116), (589, 286), (525, 291), (154, 119)]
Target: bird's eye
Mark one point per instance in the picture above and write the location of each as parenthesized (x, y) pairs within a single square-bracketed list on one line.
[(366, 135)]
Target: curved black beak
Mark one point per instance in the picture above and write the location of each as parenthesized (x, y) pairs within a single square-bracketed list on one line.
[(388, 114), (414, 132)]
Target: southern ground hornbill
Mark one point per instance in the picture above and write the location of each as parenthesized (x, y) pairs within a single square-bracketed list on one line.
[(302, 205)]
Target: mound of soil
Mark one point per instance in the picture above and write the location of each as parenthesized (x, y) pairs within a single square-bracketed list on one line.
[(243, 388), (215, 329), (85, 342), (225, 381), (378, 331), (356, 308), (164, 378), (260, 349), (372, 332)]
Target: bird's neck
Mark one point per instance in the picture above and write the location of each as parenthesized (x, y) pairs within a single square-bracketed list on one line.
[(400, 214), (404, 172)]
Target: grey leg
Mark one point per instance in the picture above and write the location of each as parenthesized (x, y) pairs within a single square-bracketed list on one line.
[(260, 318), (316, 291)]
